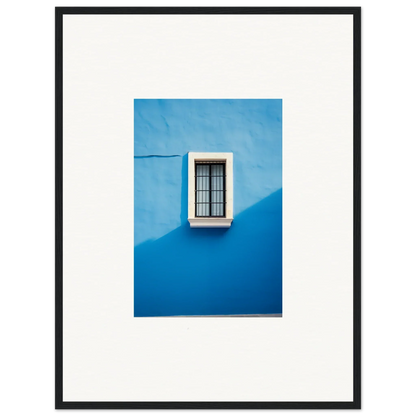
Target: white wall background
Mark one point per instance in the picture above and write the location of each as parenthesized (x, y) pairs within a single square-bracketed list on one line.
[(106, 350)]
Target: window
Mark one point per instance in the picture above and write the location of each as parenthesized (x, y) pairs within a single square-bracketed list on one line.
[(210, 190)]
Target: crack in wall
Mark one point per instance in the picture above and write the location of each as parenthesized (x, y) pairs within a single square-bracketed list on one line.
[(146, 156)]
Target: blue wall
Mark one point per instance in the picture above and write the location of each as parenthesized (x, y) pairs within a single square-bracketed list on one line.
[(184, 271)]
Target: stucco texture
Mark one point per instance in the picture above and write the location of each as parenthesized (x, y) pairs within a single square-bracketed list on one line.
[(179, 271)]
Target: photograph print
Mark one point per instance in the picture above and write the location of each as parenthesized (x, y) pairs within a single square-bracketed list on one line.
[(208, 207)]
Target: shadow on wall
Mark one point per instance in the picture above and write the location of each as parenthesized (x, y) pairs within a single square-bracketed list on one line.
[(214, 271), (184, 190)]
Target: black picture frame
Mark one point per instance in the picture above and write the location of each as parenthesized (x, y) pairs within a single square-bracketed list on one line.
[(355, 12)]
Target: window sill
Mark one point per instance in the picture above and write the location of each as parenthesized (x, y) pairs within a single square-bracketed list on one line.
[(210, 222)]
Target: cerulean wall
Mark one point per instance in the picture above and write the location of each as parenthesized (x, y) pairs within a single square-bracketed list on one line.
[(184, 271)]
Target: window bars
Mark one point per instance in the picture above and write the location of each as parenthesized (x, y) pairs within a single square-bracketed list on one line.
[(210, 189)]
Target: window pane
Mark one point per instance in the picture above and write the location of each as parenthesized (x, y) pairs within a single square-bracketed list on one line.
[(209, 196), (217, 188), (202, 190), (202, 196), (202, 173), (217, 210)]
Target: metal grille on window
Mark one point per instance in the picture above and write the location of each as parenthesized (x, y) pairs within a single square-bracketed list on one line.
[(210, 189)]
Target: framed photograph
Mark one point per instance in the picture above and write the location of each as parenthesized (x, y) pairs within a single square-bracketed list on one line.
[(208, 208)]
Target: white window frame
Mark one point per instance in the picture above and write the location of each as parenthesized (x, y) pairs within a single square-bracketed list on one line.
[(210, 222)]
